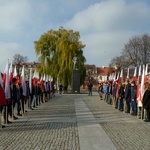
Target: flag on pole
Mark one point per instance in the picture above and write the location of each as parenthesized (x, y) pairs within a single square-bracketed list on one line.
[(114, 77), (139, 76), (117, 77), (30, 81), (22, 81), (2, 96), (142, 82), (15, 75), (138, 93), (128, 74), (134, 75), (121, 77), (7, 85), (10, 73), (4, 75), (146, 74)]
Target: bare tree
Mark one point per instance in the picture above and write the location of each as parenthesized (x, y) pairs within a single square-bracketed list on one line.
[(18, 59), (119, 62), (134, 53), (145, 49)]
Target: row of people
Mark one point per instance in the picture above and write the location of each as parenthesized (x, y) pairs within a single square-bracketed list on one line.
[(33, 98), (124, 96)]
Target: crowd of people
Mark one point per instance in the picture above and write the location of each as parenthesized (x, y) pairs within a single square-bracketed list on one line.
[(123, 96), (18, 104)]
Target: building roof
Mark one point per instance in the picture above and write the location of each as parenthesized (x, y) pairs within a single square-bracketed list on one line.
[(105, 70)]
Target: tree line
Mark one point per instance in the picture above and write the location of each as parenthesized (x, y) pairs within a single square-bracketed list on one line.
[(136, 52)]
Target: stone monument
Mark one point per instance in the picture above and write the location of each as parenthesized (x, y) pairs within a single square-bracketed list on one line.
[(75, 86)]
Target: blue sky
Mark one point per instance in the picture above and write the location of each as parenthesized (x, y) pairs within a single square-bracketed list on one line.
[(104, 25)]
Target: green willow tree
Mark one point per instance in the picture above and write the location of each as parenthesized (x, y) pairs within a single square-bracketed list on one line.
[(56, 49)]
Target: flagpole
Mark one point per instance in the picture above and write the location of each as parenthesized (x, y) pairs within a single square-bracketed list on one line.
[(7, 104)]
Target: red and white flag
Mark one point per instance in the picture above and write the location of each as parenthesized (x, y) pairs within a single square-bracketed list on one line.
[(142, 82), (15, 73), (139, 76), (22, 81), (7, 86), (138, 93), (134, 75), (30, 81), (117, 77), (127, 74), (35, 77), (146, 74), (2, 96), (10, 73), (5, 72), (121, 77)]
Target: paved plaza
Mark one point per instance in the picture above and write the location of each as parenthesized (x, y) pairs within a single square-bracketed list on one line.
[(76, 122)]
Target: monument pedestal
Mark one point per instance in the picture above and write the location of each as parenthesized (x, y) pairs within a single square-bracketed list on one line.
[(75, 81)]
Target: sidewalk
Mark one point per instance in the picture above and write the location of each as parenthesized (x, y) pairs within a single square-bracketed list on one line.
[(76, 122)]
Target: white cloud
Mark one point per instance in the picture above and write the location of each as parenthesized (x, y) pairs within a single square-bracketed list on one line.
[(13, 16), (8, 50), (105, 27)]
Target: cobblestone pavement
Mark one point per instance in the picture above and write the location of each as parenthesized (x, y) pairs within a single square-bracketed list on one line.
[(53, 126), (126, 132)]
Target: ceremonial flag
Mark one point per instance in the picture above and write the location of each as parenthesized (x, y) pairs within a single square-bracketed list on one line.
[(139, 76), (127, 74), (121, 77), (35, 77), (2, 96), (15, 73), (117, 77), (10, 73), (7, 86), (22, 81), (134, 75), (5, 72), (146, 74), (30, 81), (114, 77), (138, 93), (142, 82)]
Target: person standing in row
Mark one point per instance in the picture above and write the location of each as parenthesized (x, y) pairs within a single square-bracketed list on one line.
[(127, 96), (146, 101), (133, 98)]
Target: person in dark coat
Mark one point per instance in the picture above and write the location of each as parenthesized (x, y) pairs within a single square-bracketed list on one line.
[(146, 101), (127, 96), (121, 97), (14, 98), (133, 98), (90, 86)]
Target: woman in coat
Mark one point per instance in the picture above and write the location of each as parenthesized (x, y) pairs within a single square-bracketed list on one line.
[(146, 101)]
